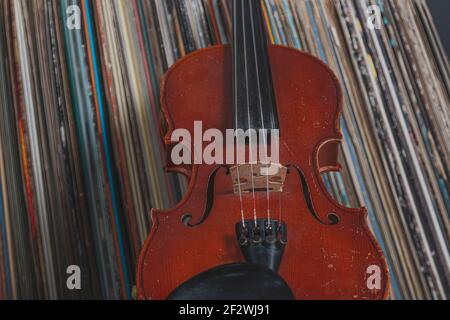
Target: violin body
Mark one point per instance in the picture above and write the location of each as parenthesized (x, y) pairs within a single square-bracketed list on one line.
[(322, 260)]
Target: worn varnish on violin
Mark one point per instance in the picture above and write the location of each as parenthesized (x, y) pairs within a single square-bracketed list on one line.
[(321, 249)]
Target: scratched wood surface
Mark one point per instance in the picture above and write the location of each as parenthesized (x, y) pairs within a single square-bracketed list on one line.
[(321, 261)]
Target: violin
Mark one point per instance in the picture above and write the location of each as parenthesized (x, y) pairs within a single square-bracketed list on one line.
[(257, 218)]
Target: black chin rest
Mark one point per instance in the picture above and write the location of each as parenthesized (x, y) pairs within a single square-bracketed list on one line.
[(242, 281)]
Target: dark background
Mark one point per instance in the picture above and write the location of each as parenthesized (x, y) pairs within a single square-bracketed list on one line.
[(440, 9)]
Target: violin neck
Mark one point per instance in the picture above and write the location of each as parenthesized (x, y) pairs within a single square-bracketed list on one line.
[(253, 92)]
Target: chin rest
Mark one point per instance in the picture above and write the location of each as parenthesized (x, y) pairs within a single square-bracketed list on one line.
[(240, 281)]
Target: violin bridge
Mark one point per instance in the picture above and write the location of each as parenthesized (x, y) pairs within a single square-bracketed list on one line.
[(258, 177)]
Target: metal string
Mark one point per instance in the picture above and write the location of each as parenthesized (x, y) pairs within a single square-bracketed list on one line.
[(236, 106), (261, 110), (248, 113)]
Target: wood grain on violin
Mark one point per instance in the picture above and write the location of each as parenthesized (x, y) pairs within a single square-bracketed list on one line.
[(322, 260), (283, 221)]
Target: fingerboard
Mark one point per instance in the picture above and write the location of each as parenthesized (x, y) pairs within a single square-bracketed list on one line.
[(253, 92)]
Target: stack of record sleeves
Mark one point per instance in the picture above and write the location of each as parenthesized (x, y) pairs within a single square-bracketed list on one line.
[(81, 157)]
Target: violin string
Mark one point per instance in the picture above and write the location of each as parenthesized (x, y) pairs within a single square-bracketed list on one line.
[(280, 206), (236, 106), (265, 144), (248, 112), (240, 196)]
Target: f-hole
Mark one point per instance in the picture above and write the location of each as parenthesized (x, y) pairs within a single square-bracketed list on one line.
[(333, 218), (187, 217)]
